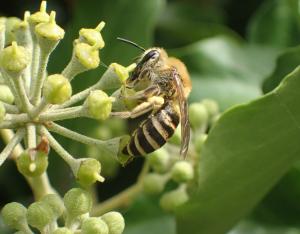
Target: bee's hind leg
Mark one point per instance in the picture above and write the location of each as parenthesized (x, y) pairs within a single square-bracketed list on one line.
[(152, 104)]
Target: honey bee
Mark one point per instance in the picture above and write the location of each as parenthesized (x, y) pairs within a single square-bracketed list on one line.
[(162, 85)]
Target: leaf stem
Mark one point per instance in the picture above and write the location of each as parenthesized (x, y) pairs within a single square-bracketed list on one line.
[(12, 109), (74, 135), (31, 135), (124, 198), (68, 158), (41, 75), (70, 113), (20, 88), (16, 139), (43, 104)]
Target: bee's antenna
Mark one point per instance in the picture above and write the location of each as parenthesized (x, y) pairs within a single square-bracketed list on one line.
[(131, 43)]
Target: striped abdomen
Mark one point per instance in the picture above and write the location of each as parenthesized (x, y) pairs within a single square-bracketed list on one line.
[(154, 132)]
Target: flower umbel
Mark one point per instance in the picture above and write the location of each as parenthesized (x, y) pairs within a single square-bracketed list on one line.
[(32, 101)]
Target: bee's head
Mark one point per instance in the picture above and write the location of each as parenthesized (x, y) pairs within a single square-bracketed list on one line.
[(149, 61)]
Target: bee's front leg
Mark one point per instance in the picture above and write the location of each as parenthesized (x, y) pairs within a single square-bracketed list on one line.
[(149, 92), (152, 104)]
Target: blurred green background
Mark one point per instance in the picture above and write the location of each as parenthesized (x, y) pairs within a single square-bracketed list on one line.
[(235, 51)]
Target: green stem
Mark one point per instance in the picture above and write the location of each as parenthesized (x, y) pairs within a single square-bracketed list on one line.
[(43, 104), (73, 68), (40, 186), (41, 75), (124, 198), (11, 108), (68, 158), (9, 82), (35, 57), (20, 87), (74, 135), (12, 120), (76, 98), (71, 113), (11, 145), (31, 135)]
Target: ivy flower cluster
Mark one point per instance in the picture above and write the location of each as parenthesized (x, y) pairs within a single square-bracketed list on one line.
[(75, 210), (32, 101)]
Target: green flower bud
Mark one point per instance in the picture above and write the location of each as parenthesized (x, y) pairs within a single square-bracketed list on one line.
[(32, 163), (211, 107), (154, 183), (2, 112), (14, 58), (92, 36), (39, 215), (55, 203), (14, 215), (114, 221), (87, 56), (6, 94), (109, 166), (198, 115), (159, 160), (50, 30), (21, 31), (94, 226), (121, 71), (10, 23), (40, 16), (99, 104), (57, 89), (62, 230), (199, 141), (114, 77), (77, 202), (182, 171), (173, 199), (89, 172)]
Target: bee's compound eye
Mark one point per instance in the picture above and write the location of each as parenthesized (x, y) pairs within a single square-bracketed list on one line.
[(154, 55)]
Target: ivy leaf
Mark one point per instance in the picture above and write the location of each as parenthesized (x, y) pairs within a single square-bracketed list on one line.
[(250, 227), (183, 23), (249, 149), (285, 63), (276, 23), (144, 216)]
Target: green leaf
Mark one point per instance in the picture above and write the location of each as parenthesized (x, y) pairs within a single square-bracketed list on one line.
[(250, 227), (249, 149), (276, 23), (226, 70), (146, 217), (182, 23), (285, 63)]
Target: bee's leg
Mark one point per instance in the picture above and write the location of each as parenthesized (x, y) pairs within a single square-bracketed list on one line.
[(152, 104), (151, 91)]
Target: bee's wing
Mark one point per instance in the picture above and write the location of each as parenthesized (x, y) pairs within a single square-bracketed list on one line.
[(184, 115)]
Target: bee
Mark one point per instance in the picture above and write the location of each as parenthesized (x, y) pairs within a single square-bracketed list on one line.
[(162, 85)]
